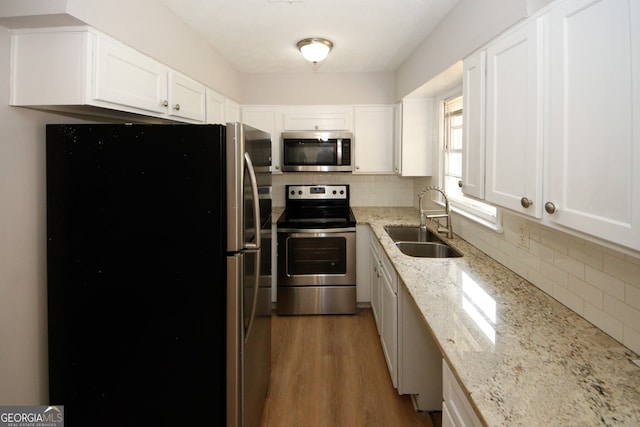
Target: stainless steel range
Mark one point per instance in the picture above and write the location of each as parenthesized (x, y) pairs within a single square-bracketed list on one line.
[(317, 251)]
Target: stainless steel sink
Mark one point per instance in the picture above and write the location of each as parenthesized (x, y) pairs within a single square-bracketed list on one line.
[(401, 233), (427, 250)]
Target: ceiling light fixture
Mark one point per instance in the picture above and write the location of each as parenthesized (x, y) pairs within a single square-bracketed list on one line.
[(314, 49)]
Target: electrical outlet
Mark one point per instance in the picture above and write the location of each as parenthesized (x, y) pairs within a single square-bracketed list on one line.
[(523, 234)]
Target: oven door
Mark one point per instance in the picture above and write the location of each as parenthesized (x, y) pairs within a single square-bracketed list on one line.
[(316, 257)]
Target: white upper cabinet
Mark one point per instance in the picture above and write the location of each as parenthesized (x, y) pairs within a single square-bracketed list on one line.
[(187, 98), (414, 149), (266, 118), (513, 120), (593, 181), (215, 107), (74, 69), (373, 139), (317, 118), (126, 77), (473, 108)]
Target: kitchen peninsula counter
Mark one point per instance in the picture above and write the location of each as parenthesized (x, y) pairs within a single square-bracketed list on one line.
[(529, 361)]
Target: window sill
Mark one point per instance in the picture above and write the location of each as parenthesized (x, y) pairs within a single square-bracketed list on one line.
[(495, 226)]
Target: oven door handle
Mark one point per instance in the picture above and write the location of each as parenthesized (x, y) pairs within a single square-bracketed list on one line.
[(303, 231)]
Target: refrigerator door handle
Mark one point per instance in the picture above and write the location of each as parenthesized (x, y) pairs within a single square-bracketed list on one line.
[(256, 287), (256, 203)]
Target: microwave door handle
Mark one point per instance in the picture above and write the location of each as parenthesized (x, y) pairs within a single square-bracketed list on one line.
[(256, 203)]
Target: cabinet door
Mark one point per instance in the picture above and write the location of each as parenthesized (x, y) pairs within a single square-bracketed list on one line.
[(389, 311), (266, 118), (397, 139), (459, 410), (373, 139), (126, 77), (389, 334), (419, 358), (514, 121), (231, 111), (317, 118), (416, 149), (374, 271), (473, 97), (215, 107), (594, 144), (187, 98)]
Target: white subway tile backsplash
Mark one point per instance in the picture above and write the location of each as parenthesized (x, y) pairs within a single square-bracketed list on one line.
[(621, 311), (528, 258), (541, 281), (602, 320), (568, 298), (609, 285), (632, 297), (554, 240), (588, 293), (631, 338), (568, 264), (622, 269), (556, 274), (587, 254), (543, 252)]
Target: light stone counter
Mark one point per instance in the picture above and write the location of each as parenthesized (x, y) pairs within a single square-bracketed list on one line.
[(526, 360)]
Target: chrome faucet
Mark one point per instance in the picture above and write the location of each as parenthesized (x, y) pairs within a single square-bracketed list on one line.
[(435, 215)]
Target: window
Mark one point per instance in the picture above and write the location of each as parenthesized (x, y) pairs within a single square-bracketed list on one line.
[(452, 167)]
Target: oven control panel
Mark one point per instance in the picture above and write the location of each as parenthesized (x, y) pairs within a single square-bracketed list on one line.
[(315, 192)]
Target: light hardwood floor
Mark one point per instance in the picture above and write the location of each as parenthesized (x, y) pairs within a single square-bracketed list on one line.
[(330, 371)]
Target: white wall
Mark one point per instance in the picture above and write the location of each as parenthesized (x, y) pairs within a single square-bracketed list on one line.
[(318, 88), (23, 326), (468, 26)]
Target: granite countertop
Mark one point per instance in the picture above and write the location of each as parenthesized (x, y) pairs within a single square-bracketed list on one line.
[(527, 360)]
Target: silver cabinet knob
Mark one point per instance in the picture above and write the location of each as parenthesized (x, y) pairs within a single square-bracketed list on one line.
[(550, 208), (165, 103), (460, 183), (526, 202), (277, 167), (177, 107)]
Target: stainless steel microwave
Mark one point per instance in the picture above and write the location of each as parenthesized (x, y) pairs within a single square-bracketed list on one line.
[(317, 151)]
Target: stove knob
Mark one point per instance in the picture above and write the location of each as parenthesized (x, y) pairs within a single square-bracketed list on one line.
[(300, 192), (334, 191), (293, 192), (341, 191)]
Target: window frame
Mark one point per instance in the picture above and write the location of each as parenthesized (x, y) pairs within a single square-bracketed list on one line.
[(460, 207)]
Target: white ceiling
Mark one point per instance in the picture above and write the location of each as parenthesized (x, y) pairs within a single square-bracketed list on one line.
[(260, 36)]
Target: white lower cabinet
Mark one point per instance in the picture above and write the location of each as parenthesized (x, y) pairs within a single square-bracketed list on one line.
[(374, 272), (456, 409), (419, 358), (389, 312), (412, 357)]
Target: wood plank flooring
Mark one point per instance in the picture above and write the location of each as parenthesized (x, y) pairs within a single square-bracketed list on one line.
[(330, 371)]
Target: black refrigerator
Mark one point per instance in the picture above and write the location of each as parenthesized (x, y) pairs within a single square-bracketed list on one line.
[(159, 273)]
